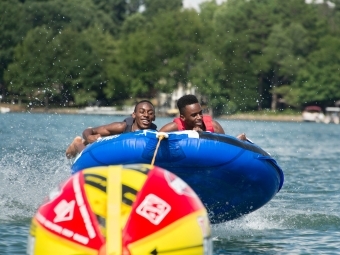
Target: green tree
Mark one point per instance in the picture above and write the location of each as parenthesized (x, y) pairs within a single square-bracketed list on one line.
[(60, 14), (57, 15), (62, 67), (12, 29), (285, 54), (133, 23), (208, 71), (154, 7), (318, 81), (262, 52), (160, 54), (238, 33), (241, 55)]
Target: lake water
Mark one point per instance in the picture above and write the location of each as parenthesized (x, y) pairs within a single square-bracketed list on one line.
[(303, 218)]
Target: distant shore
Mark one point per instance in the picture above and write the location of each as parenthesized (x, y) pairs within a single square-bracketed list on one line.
[(238, 116), (263, 117)]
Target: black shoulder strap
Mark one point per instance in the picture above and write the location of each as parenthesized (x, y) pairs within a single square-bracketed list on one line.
[(129, 122)]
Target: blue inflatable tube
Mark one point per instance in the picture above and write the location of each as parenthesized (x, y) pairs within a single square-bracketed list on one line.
[(231, 177)]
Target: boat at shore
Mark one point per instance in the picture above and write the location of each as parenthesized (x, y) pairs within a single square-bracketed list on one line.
[(316, 114), (230, 176), (313, 113), (332, 115), (4, 109)]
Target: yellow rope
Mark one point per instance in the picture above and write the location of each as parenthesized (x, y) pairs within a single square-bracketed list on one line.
[(160, 137)]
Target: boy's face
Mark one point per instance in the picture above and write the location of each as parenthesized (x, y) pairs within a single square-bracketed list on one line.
[(192, 116), (144, 115)]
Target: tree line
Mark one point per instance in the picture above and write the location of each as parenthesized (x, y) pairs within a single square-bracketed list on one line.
[(241, 55)]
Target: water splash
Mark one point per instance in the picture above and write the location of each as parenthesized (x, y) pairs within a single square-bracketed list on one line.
[(25, 179)]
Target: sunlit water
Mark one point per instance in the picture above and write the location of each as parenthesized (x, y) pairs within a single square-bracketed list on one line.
[(303, 218)]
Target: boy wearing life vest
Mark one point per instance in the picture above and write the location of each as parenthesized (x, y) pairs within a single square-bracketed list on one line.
[(192, 118), (142, 118)]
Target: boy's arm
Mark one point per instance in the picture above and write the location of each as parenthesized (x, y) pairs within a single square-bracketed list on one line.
[(172, 126), (217, 127), (90, 135)]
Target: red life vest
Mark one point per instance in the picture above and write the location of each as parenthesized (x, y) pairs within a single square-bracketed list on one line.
[(207, 120)]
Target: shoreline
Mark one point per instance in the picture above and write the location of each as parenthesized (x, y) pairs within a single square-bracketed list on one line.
[(281, 118), (239, 116)]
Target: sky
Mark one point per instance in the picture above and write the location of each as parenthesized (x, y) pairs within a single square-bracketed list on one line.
[(195, 3)]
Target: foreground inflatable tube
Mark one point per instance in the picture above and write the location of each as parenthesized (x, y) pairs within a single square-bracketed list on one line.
[(122, 210), (231, 177)]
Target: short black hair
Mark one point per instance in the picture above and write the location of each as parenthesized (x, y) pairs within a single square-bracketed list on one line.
[(186, 100), (143, 101)]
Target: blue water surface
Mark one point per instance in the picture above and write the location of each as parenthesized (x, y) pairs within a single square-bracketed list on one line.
[(303, 218)]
